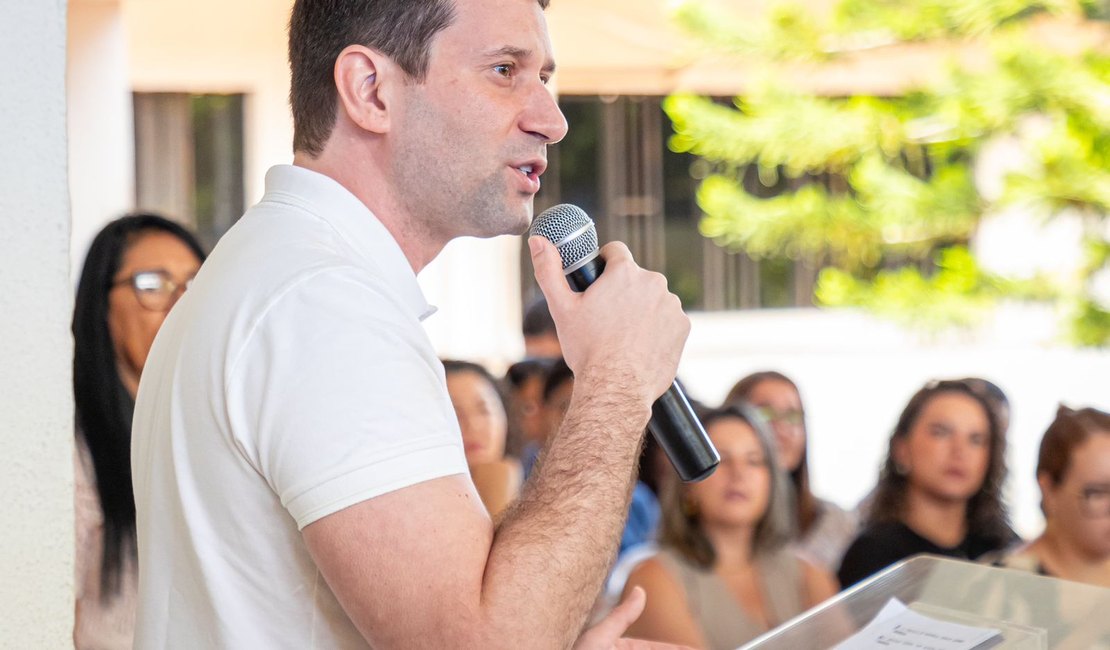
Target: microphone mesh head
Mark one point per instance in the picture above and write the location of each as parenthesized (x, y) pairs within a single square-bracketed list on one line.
[(570, 229)]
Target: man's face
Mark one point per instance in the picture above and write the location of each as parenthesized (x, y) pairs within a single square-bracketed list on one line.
[(471, 140)]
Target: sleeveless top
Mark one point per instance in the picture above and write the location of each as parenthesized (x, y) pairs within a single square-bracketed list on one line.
[(723, 622)]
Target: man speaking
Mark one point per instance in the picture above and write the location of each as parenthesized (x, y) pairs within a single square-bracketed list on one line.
[(299, 474)]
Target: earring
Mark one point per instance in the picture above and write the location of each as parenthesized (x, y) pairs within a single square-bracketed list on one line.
[(900, 469)]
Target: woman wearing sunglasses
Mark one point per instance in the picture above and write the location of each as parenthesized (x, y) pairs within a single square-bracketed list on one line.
[(136, 269)]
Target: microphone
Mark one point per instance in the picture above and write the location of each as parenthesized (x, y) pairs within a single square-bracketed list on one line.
[(673, 422)]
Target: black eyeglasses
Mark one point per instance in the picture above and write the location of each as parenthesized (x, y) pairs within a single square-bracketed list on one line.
[(1094, 500), (155, 290)]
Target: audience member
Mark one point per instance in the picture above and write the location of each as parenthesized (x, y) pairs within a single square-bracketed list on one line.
[(940, 488), (824, 529), (725, 574), (136, 269), (524, 396), (541, 341), (484, 425), (999, 405), (1073, 471)]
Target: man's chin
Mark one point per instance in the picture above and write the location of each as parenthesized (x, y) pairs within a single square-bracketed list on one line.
[(521, 225)]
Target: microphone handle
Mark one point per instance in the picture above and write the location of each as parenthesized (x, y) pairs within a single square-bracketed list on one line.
[(679, 432), (674, 424)]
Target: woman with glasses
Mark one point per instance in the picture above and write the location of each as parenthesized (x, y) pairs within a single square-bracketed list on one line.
[(1073, 471), (824, 529), (940, 488), (724, 574), (136, 269)]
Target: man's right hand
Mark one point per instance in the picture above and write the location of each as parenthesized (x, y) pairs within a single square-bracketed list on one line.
[(627, 330)]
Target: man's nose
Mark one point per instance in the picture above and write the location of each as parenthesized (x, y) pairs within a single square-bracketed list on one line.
[(543, 117)]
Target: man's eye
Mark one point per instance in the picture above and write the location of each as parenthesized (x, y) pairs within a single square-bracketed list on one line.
[(545, 78), (504, 69)]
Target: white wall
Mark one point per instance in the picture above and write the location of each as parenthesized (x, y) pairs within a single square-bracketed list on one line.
[(101, 127), (475, 283), (36, 408)]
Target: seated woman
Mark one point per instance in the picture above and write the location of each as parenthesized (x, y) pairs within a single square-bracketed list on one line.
[(940, 488), (724, 575), (824, 528), (1073, 471), (136, 269), (484, 425)]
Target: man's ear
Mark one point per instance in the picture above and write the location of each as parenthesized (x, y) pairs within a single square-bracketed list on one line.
[(362, 76)]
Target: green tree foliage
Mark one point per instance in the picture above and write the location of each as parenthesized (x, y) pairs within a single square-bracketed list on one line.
[(883, 190)]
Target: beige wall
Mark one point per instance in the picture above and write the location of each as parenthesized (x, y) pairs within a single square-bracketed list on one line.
[(36, 408), (215, 46)]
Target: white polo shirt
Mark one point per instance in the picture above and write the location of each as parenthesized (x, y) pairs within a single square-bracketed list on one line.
[(291, 381)]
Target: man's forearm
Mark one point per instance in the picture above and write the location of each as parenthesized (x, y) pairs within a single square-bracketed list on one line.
[(553, 550)]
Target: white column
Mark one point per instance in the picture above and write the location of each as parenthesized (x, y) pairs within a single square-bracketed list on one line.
[(100, 122), (36, 404)]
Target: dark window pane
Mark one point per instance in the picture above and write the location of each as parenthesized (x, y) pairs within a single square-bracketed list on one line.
[(218, 129)]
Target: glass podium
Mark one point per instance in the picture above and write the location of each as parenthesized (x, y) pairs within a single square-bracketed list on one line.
[(1031, 611)]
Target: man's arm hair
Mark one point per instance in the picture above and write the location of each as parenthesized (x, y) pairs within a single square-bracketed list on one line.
[(423, 566)]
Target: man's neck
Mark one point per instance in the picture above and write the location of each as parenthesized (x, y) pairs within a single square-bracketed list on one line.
[(419, 245)]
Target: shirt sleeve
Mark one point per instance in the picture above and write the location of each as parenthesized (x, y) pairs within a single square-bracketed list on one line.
[(340, 398)]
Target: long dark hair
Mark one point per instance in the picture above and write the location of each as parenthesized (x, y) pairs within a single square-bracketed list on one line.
[(681, 528), (103, 406), (986, 512), (804, 500)]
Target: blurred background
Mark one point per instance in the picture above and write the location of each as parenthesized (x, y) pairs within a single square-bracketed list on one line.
[(864, 195)]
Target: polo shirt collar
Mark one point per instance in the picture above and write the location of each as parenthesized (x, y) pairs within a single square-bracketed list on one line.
[(327, 199)]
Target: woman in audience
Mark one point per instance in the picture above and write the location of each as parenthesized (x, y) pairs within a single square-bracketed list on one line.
[(524, 381), (824, 529), (724, 575), (1073, 471), (136, 269), (484, 425), (940, 489)]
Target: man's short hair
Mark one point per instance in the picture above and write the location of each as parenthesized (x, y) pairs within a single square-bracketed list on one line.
[(320, 29), (537, 319)]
